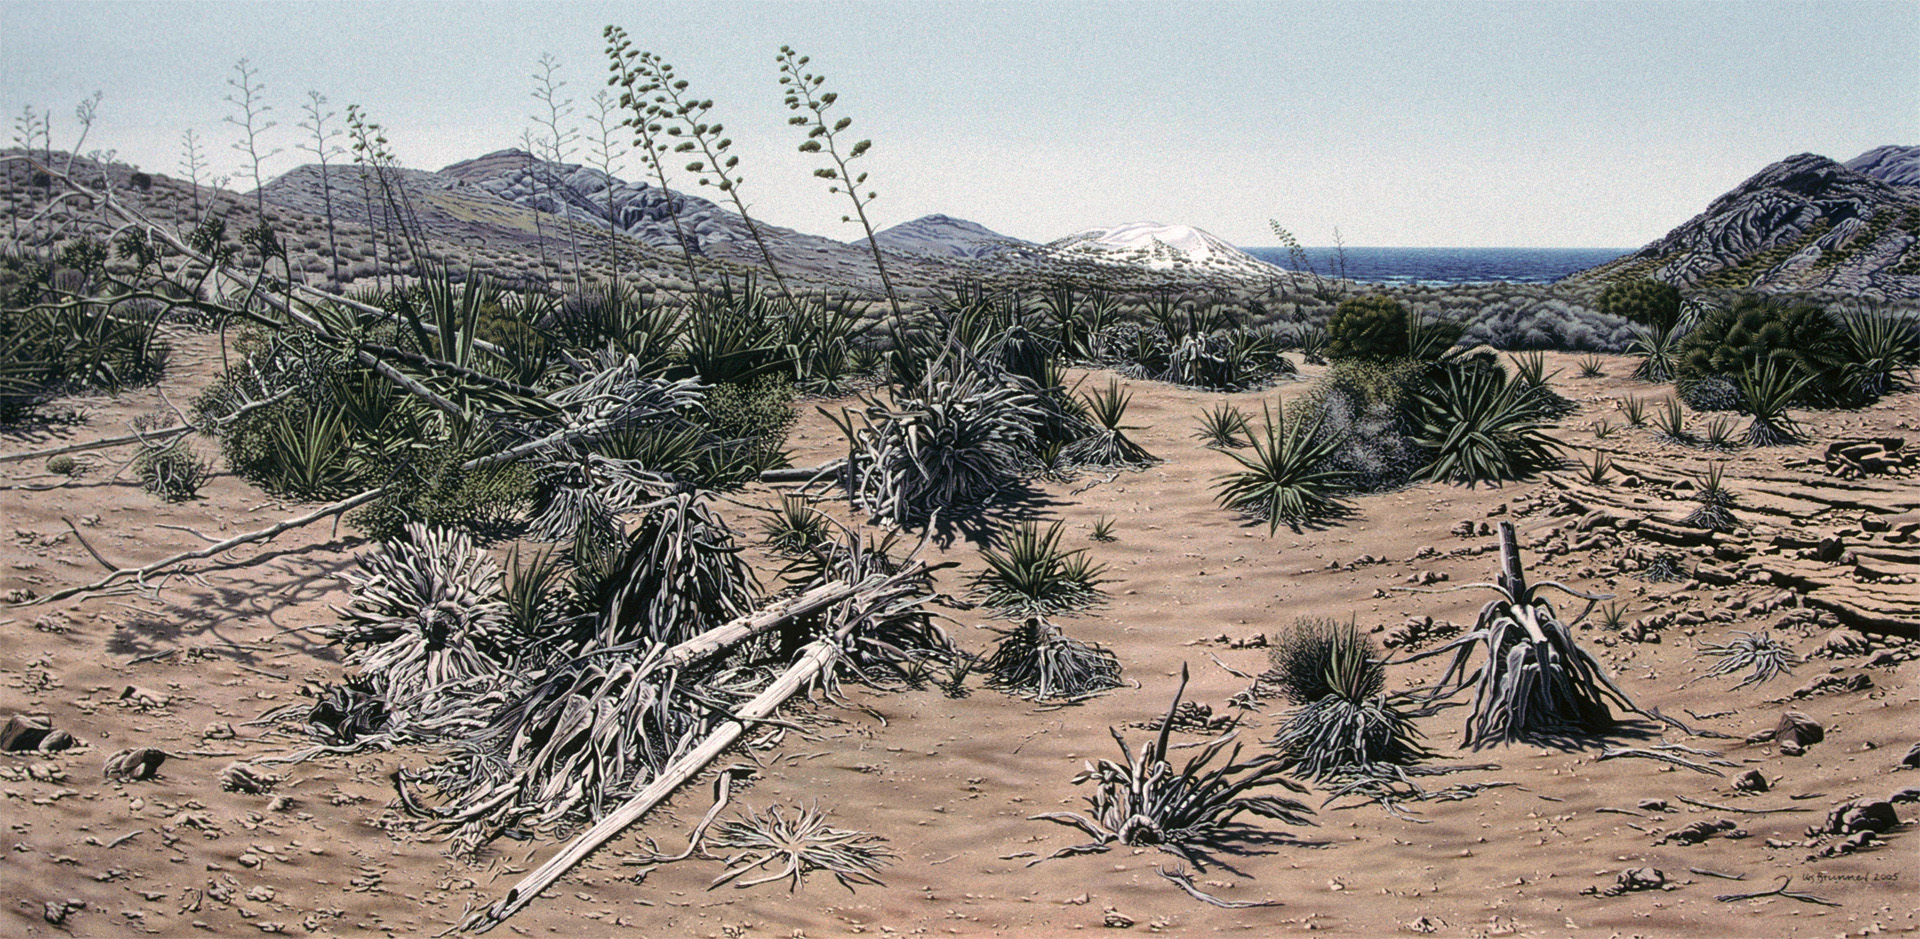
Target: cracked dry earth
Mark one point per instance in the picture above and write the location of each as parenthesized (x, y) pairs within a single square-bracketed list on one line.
[(1555, 842)]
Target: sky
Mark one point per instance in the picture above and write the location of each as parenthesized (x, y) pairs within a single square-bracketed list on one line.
[(1486, 124)]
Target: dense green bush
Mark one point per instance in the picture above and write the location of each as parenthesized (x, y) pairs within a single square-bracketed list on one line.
[(1752, 330), (1371, 327), (171, 471), (1643, 300)]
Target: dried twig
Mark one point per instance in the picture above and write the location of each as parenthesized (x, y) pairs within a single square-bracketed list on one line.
[(1728, 808), (1617, 752), (1180, 878), (1780, 891)]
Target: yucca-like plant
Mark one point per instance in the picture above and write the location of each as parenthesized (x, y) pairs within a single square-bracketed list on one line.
[(1759, 651), (1659, 353), (1480, 426), (793, 846), (1109, 444), (1670, 422), (1036, 660), (425, 616), (533, 603), (1714, 499), (1592, 366), (1596, 471), (1720, 435), (677, 574), (1530, 373), (1342, 723), (1634, 409), (1768, 391), (1146, 801), (590, 732), (1102, 530), (1604, 429), (1290, 478), (796, 528), (1033, 575), (1535, 682), (1224, 427), (1878, 346), (945, 444)]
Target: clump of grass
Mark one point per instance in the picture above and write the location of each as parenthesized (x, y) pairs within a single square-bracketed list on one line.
[(171, 471), (1758, 651), (1225, 427), (1343, 723), (1667, 567), (793, 846), (1768, 391), (1714, 498), (1878, 345), (1290, 478), (1036, 660), (795, 528), (1596, 471), (532, 602), (1103, 530), (1530, 373), (1670, 422), (1613, 616), (1031, 574), (62, 465), (1185, 811), (1720, 435), (1634, 410), (1592, 366), (1604, 429)]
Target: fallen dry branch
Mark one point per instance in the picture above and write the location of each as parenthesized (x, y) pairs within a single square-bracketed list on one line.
[(1612, 753), (808, 668), (1780, 891), (1180, 878), (1728, 808), (154, 437)]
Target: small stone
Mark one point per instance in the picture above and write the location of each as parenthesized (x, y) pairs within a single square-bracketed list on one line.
[(1751, 781), (135, 763), (1796, 732)]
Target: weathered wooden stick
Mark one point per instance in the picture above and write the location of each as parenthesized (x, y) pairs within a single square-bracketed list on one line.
[(752, 624), (138, 437), (815, 660), (264, 534), (801, 474)]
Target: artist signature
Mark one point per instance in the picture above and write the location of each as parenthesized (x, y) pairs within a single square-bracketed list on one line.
[(1879, 877)]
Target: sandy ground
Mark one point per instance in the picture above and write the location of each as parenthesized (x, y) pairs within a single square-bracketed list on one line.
[(950, 782)]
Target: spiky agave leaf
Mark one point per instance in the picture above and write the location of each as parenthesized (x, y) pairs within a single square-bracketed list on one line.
[(1033, 575), (1289, 478), (1768, 391), (948, 443), (1225, 427), (1185, 811), (1108, 444), (1767, 657), (1481, 426)]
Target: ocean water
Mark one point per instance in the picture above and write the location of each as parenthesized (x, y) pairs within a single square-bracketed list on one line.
[(1448, 266)]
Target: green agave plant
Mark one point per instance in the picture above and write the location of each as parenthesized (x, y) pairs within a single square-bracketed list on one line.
[(1481, 426), (1290, 478)]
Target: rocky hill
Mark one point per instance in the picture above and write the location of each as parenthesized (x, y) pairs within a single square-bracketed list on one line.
[(1893, 165), (1805, 223), (943, 236)]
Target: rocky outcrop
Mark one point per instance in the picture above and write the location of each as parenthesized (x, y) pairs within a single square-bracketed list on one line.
[(943, 236), (1893, 165), (1804, 223)]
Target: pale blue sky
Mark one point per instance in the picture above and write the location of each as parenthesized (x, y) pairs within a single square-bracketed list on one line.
[(1424, 124)]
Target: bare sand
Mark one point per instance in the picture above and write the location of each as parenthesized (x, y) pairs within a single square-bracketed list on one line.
[(950, 782)]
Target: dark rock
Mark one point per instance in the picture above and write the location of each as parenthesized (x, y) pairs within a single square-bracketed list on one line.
[(1796, 732), (23, 733), (1912, 759), (135, 763), (1752, 781), (1909, 794), (1872, 816)]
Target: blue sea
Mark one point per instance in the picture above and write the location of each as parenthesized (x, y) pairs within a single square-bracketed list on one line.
[(1448, 266)]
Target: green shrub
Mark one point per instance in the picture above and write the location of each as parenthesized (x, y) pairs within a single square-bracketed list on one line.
[(1753, 330), (1033, 575), (1371, 327), (1481, 425), (1290, 478), (1644, 301), (62, 465), (428, 486), (748, 422)]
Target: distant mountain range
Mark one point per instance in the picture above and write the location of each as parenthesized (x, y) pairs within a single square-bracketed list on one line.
[(1804, 223), (510, 197)]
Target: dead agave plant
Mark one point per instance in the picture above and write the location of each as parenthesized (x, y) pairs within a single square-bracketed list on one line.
[(1714, 499), (425, 616), (1759, 651), (793, 846), (1536, 682), (1036, 660), (678, 573), (1146, 802)]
